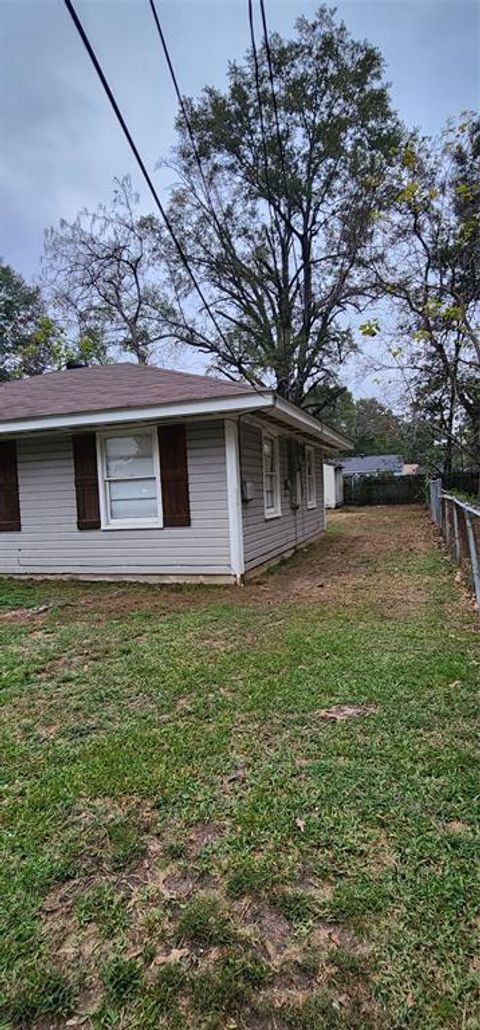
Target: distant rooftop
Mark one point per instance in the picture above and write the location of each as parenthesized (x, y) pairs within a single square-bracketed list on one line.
[(371, 464)]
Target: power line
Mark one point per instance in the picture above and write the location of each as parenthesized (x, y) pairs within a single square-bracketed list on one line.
[(263, 134), (260, 103), (276, 116), (91, 53), (274, 97), (283, 216), (220, 228), (223, 232)]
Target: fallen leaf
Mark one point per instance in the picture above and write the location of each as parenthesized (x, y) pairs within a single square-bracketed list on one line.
[(301, 824), (270, 949)]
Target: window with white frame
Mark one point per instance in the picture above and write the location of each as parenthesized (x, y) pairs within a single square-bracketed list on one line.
[(130, 470), (310, 477), (271, 476)]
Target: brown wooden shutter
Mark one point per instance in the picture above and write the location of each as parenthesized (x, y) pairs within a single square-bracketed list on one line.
[(172, 442), (9, 499), (86, 481)]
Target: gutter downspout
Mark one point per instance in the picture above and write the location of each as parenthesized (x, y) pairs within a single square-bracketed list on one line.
[(234, 499)]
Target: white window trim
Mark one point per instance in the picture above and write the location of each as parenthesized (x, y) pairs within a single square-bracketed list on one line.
[(311, 502), (272, 513), (113, 524)]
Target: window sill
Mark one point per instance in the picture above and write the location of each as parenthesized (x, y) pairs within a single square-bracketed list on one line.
[(273, 515), (131, 525), (311, 507)]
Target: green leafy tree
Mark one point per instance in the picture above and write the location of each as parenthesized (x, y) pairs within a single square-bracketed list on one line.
[(374, 428), (29, 338), (286, 207), (31, 341), (431, 272), (335, 405)]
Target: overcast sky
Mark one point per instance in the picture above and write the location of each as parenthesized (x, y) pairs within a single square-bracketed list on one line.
[(60, 145)]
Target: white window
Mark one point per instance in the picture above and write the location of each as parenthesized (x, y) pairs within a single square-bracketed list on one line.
[(271, 477), (310, 477), (130, 479)]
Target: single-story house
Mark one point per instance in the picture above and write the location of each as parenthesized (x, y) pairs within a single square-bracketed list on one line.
[(333, 484), (130, 472), (373, 465)]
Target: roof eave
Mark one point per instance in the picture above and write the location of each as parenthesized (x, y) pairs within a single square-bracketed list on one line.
[(262, 400), (289, 414), (147, 413)]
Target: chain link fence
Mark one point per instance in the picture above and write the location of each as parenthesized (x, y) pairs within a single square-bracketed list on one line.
[(459, 524)]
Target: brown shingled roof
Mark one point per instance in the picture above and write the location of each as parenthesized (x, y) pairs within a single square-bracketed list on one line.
[(108, 388)]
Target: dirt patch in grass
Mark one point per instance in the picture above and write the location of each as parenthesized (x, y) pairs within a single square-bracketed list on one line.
[(325, 936), (272, 929), (202, 834), (363, 539), (338, 713), (72, 945), (185, 883), (456, 826), (24, 616)]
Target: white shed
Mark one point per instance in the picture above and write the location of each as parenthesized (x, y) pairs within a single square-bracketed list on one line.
[(333, 484)]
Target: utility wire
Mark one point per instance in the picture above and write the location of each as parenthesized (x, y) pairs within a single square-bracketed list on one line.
[(275, 112), (260, 103), (284, 218), (274, 97), (181, 253), (181, 101), (262, 127), (221, 229)]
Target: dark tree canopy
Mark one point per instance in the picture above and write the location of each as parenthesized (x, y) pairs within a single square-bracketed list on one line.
[(32, 341), (374, 428), (29, 338)]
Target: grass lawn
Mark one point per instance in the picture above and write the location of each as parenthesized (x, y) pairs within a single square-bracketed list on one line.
[(192, 838)]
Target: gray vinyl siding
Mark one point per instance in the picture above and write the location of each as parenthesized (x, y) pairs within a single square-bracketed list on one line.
[(265, 539), (49, 541)]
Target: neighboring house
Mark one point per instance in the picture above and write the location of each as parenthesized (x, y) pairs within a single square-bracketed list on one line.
[(373, 465), (411, 469), (123, 471), (333, 484)]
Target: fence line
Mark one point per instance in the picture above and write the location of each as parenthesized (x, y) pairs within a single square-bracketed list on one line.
[(384, 489), (459, 524)]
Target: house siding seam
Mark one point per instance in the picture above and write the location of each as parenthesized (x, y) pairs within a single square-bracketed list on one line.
[(266, 539), (50, 543)]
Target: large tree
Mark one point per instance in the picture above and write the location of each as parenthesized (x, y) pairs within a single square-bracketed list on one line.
[(275, 220), (104, 271), (30, 340), (431, 273), (374, 428)]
